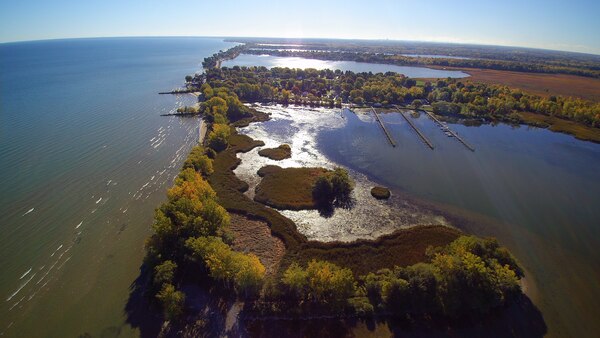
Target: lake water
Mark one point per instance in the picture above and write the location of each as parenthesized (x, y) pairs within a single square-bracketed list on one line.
[(300, 127), (84, 160), (270, 61), (535, 190)]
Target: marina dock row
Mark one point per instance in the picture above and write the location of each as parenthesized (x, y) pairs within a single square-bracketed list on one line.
[(385, 131), (470, 147), (423, 137)]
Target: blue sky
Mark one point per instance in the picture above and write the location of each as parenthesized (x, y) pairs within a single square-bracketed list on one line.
[(564, 25)]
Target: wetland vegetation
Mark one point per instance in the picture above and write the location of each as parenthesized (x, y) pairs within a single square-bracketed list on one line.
[(280, 153), (425, 270)]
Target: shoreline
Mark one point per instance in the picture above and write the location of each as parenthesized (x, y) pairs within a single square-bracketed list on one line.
[(460, 219), (202, 129), (404, 247)]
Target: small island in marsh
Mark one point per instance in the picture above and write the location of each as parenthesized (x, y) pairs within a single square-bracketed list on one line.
[(381, 193), (277, 154), (288, 188), (302, 188)]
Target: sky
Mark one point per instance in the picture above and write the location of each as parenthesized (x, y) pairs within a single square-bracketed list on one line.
[(571, 25)]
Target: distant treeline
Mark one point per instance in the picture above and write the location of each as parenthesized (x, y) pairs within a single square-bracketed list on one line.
[(552, 67), (518, 54), (453, 97)]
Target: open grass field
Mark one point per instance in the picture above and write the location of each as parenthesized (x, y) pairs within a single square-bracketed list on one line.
[(563, 126), (538, 83)]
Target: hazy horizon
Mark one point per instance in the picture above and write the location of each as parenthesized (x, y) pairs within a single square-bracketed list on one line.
[(537, 24), (233, 38)]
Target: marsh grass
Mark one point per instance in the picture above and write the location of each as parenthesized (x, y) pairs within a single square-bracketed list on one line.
[(277, 154)]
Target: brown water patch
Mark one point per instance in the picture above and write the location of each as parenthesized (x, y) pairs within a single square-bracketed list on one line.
[(255, 236)]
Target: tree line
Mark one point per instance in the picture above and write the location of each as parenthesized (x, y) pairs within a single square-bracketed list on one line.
[(191, 241), (586, 69), (439, 50), (453, 97), (330, 88)]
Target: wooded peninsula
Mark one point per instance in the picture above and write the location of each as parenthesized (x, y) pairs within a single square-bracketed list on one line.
[(420, 272), (423, 271)]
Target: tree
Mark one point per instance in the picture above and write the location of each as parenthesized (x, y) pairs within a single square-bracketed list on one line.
[(327, 281), (245, 273), (248, 274), (164, 273), (334, 186), (216, 105), (342, 183), (295, 278), (285, 96), (199, 161), (218, 137), (321, 282), (323, 190), (207, 91), (394, 292), (172, 301), (188, 78)]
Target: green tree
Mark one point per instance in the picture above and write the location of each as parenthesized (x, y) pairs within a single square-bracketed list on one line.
[(207, 91), (245, 273), (295, 278), (164, 273), (321, 282), (333, 186), (198, 160), (218, 137), (172, 301), (216, 105)]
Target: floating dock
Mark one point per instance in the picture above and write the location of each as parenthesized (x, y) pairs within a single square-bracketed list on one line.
[(449, 130), (385, 131), (425, 140)]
